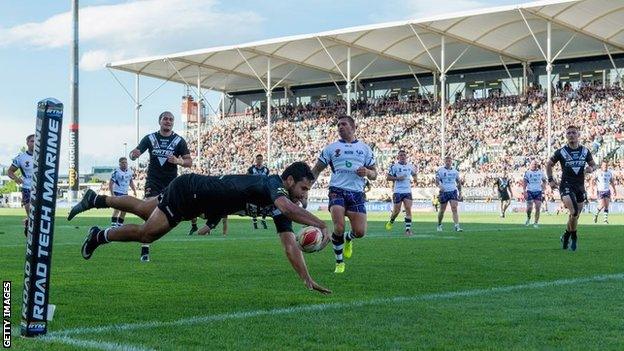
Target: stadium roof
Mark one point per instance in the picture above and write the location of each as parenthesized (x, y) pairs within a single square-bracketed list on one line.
[(486, 36)]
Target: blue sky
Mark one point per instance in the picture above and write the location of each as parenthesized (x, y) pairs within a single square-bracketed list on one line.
[(35, 39)]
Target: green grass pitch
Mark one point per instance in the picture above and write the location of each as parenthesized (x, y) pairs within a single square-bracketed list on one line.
[(498, 285)]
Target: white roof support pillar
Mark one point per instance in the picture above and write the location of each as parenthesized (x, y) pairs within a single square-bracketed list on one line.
[(443, 97), (268, 107), (420, 85), (137, 110), (190, 86), (525, 83), (199, 112), (617, 71), (348, 99), (509, 74), (549, 68)]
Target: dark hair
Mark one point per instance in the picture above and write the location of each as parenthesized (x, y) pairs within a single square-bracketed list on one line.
[(162, 115), (259, 155), (123, 159), (298, 171), (349, 118), (30, 136), (573, 127), (401, 151)]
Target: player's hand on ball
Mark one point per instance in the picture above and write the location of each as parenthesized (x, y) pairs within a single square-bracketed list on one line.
[(362, 171), (312, 285)]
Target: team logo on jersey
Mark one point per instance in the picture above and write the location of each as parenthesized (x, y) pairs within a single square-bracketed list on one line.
[(27, 163), (337, 153)]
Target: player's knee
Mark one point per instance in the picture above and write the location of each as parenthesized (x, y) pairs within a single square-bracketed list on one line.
[(360, 233)]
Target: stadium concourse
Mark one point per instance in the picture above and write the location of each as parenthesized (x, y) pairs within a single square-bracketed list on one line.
[(492, 88), (513, 123)]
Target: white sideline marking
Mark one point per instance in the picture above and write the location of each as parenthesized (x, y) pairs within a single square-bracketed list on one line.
[(93, 344), (329, 306)]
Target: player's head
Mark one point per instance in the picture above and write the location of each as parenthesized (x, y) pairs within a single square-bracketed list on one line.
[(298, 178), (448, 161), (402, 156), (165, 120), (123, 163), (30, 142), (572, 134), (259, 159), (534, 166), (604, 165), (346, 127)]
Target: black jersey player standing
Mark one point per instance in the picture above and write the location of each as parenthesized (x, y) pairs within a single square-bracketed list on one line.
[(259, 169), (193, 195), (575, 160), (167, 151)]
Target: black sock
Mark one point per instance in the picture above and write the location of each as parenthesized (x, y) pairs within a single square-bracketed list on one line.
[(120, 220), (338, 243), (100, 201), (144, 250), (573, 235), (101, 237), (114, 221)]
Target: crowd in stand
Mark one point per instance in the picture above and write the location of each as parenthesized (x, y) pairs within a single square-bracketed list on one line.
[(485, 136)]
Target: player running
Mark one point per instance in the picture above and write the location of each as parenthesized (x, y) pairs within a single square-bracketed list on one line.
[(602, 180), (503, 185), (534, 184), (450, 186), (121, 180), (351, 162), (575, 160), (24, 162), (401, 174), (167, 151), (259, 169), (192, 195)]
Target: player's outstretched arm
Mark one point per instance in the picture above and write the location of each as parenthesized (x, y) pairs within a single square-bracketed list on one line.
[(295, 256)]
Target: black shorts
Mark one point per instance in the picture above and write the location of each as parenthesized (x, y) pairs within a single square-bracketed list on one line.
[(179, 202), (504, 196), (572, 189), (154, 187)]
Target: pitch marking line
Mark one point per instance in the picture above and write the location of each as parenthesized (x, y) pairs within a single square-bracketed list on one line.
[(332, 306)]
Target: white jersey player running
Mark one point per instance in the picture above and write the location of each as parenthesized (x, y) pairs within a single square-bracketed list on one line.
[(351, 162), (121, 180), (602, 180), (401, 173), (449, 184), (534, 184), (24, 163)]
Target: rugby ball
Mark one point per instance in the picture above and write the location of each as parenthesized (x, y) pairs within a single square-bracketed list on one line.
[(310, 239)]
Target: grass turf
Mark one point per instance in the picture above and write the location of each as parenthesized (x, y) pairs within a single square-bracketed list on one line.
[(240, 292)]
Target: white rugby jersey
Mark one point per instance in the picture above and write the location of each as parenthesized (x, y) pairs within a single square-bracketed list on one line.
[(603, 179), (447, 178), (24, 162), (402, 170), (344, 159), (534, 180), (121, 180)]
